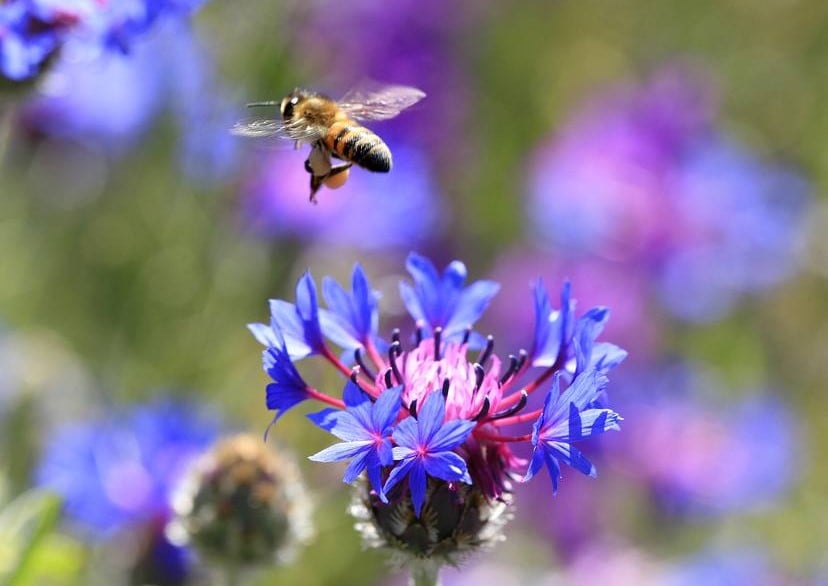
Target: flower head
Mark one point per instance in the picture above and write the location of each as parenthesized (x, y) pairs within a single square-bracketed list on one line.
[(441, 300), (427, 422), (242, 503), (568, 417), (425, 447)]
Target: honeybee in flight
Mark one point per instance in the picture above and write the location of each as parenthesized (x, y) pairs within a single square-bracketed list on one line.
[(333, 129)]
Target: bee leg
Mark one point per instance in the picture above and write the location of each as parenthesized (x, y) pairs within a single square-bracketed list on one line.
[(308, 167), (339, 169), (315, 184)]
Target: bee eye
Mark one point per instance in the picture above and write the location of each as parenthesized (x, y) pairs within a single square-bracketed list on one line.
[(287, 107)]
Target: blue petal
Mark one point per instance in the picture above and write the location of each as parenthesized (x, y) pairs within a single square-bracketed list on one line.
[(552, 467), (285, 320), (353, 396), (386, 409), (417, 485), (606, 356), (584, 390), (430, 418), (471, 304), (572, 456), (587, 330), (326, 419), (341, 451), (553, 329), (281, 397), (385, 454), (452, 434), (402, 452), (263, 334), (407, 434), (413, 305), (447, 466), (357, 465), (538, 460), (374, 472), (366, 315), (397, 474), (338, 331)]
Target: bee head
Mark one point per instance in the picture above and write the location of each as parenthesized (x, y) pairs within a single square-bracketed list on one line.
[(290, 101)]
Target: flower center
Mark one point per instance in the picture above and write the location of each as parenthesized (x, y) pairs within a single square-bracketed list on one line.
[(466, 386)]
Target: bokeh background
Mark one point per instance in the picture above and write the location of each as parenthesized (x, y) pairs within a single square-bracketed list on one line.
[(669, 158)]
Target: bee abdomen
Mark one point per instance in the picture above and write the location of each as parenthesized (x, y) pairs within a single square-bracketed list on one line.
[(360, 146)]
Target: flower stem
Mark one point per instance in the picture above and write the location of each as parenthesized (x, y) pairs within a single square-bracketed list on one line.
[(424, 574)]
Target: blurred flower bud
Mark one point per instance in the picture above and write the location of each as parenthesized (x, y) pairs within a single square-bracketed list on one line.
[(456, 520), (242, 504)]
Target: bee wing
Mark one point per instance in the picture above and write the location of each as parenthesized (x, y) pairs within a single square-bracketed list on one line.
[(295, 131), (379, 102)]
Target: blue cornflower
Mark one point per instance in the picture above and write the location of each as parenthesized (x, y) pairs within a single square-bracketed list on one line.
[(366, 430), (553, 328), (288, 388), (441, 411), (567, 418), (121, 470), (425, 447), (298, 325), (352, 320), (441, 300)]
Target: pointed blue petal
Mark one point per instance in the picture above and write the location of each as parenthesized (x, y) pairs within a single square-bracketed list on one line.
[(357, 465), (386, 409), (263, 334), (398, 473), (447, 466), (430, 417), (341, 451), (452, 434), (417, 484)]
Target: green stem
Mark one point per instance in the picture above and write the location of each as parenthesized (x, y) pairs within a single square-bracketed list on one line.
[(424, 574)]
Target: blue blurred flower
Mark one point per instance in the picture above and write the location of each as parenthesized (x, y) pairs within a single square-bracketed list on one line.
[(370, 211), (644, 177), (120, 470), (31, 31)]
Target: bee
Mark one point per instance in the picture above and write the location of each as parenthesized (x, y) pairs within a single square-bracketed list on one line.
[(332, 128)]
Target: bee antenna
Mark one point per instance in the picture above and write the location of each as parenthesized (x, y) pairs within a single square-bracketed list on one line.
[(260, 104)]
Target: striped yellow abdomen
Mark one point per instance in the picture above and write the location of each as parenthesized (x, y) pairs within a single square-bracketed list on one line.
[(356, 144)]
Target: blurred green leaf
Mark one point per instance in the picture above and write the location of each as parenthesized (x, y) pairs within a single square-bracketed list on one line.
[(25, 523)]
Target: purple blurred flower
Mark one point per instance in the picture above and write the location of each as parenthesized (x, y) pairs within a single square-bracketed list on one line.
[(645, 178), (120, 471), (371, 211), (698, 455)]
